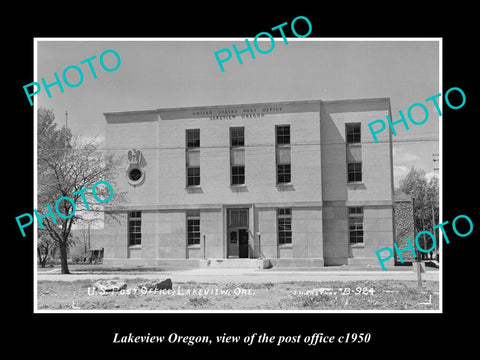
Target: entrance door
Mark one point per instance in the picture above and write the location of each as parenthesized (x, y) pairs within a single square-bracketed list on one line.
[(242, 243), (237, 246)]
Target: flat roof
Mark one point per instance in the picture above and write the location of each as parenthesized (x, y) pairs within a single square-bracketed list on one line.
[(210, 107)]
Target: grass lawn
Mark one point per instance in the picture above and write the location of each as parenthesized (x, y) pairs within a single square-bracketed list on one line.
[(348, 295)]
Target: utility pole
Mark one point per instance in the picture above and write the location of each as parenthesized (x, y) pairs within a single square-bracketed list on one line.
[(434, 160), (65, 144), (66, 127)]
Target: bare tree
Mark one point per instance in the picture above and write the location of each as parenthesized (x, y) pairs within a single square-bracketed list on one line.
[(68, 168), (45, 247)]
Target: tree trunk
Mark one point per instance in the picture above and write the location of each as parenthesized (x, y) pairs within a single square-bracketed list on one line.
[(41, 260), (63, 257)]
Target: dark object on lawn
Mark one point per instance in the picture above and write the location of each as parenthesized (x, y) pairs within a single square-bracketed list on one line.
[(110, 285), (157, 285)]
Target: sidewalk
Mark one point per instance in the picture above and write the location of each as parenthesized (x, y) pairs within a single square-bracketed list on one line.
[(206, 275)]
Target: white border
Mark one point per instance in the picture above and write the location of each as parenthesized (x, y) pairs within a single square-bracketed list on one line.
[(35, 75)]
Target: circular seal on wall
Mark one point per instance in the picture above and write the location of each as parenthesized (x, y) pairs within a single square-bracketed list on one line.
[(135, 172), (135, 175)]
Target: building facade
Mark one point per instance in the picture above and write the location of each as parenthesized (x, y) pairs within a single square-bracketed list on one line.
[(296, 183)]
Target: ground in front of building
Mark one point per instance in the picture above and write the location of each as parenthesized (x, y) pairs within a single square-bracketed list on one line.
[(78, 295)]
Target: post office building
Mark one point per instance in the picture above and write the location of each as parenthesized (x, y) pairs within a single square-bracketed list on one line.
[(298, 183)]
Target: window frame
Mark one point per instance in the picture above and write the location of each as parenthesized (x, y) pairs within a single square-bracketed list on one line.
[(353, 217), (232, 137), (234, 146), (277, 128), (193, 216), (235, 179), (196, 139), (283, 145), (356, 173), (354, 134), (192, 145), (134, 216), (284, 217)]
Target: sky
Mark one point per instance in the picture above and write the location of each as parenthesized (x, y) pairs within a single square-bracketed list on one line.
[(176, 73)]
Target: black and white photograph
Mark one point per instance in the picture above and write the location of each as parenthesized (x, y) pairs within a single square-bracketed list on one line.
[(189, 189), (227, 181)]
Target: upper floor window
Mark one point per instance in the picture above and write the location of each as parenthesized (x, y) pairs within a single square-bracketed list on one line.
[(193, 138), (237, 156), (353, 133), (193, 157), (283, 159)]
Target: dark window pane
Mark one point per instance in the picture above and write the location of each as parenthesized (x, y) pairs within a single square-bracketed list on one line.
[(283, 174), (284, 225), (193, 230), (284, 211), (193, 138), (238, 175), (134, 228), (237, 137), (353, 133), (193, 176), (356, 225), (354, 172), (283, 135)]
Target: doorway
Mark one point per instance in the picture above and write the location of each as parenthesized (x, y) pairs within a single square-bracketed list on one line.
[(238, 244)]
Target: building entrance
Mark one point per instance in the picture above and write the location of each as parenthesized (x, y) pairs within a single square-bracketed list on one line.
[(238, 246)]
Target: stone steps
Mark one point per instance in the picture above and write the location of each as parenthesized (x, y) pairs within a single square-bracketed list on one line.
[(235, 263)]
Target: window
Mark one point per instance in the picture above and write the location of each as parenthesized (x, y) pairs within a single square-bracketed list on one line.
[(284, 220), (193, 227), (238, 175), (193, 157), (353, 133), (282, 152), (237, 156), (354, 170), (193, 176), (283, 135), (135, 228), (193, 138), (237, 218), (237, 136), (283, 173), (355, 221)]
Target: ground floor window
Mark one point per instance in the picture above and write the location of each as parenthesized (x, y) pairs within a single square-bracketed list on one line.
[(193, 227), (135, 228), (355, 221), (284, 220)]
